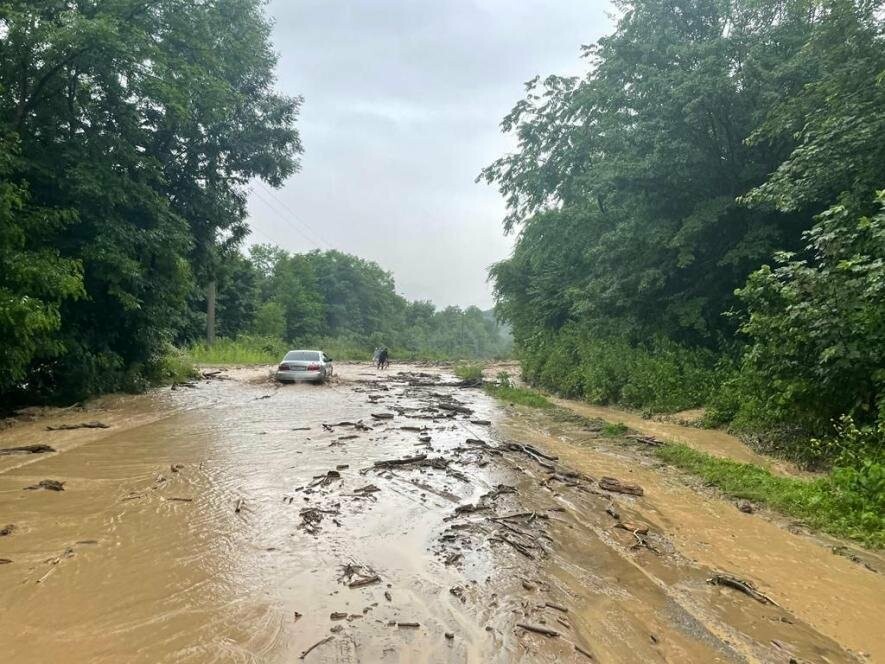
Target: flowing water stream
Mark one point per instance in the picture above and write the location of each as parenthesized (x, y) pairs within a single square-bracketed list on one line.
[(224, 522)]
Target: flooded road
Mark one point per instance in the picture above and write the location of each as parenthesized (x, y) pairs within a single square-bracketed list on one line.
[(390, 517)]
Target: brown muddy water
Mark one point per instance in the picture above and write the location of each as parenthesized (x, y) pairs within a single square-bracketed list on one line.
[(225, 523)]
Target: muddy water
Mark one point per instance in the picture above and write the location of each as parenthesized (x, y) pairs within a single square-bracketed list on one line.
[(225, 523)]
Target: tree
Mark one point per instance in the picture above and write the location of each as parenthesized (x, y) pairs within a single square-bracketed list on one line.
[(141, 123)]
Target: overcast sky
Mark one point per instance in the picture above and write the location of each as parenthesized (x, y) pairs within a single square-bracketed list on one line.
[(402, 102)]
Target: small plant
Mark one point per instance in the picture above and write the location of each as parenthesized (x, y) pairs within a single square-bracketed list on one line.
[(518, 395), (504, 379), (469, 373), (614, 429)]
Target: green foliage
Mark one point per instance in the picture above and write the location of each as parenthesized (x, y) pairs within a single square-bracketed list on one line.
[(518, 395), (337, 301), (816, 326), (614, 429), (136, 128), (848, 503), (469, 372), (661, 376), (648, 195), (243, 350), (270, 320)]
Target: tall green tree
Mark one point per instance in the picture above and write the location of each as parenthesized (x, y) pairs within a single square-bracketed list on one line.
[(142, 123)]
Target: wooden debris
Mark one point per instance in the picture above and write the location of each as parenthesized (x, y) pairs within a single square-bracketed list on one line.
[(481, 423), (408, 624), (315, 645), (383, 416), (616, 486), (405, 461), (94, 424), (634, 528), (558, 607), (7, 530), (175, 499), (27, 449), (49, 485), (583, 652), (326, 479), (745, 587), (537, 629), (239, 505), (366, 581)]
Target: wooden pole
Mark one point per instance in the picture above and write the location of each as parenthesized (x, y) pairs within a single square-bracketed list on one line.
[(210, 313)]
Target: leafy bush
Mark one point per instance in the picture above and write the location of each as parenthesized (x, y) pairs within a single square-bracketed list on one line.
[(518, 395), (469, 372), (614, 429), (661, 376)]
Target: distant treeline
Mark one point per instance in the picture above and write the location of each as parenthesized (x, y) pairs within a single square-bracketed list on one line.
[(305, 298), (129, 134), (698, 220)]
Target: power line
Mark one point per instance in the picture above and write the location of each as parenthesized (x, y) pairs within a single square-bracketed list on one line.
[(312, 241), (298, 220)]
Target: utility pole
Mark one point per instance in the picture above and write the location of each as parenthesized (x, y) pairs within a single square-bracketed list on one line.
[(210, 313)]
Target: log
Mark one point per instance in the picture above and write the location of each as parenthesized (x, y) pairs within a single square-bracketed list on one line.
[(616, 486), (537, 629)]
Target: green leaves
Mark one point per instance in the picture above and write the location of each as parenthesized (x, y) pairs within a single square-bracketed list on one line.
[(139, 126)]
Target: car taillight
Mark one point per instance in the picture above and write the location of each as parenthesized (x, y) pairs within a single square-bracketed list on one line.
[(284, 367), (313, 367)]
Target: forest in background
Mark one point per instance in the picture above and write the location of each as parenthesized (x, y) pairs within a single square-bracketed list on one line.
[(130, 132), (698, 223), (271, 299)]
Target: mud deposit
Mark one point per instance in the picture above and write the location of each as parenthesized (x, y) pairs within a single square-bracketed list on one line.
[(375, 519)]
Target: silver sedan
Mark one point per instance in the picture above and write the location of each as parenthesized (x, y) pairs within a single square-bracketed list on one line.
[(312, 365)]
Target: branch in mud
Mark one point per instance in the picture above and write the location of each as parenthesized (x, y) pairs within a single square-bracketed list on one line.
[(743, 586)]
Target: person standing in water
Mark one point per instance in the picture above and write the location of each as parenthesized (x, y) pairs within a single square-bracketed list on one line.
[(383, 358)]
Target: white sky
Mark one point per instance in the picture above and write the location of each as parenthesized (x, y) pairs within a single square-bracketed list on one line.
[(402, 105)]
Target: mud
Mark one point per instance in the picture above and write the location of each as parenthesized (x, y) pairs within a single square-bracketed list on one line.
[(243, 521)]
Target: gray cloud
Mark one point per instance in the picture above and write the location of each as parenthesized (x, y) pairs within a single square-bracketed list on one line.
[(402, 105)]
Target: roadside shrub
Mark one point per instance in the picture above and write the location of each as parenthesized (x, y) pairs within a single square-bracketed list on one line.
[(660, 376), (469, 372)]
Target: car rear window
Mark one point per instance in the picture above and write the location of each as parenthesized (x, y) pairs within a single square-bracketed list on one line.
[(302, 355)]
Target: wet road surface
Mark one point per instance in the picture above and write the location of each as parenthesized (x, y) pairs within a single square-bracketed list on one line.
[(423, 523)]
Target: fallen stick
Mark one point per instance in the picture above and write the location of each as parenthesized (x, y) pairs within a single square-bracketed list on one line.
[(27, 449), (315, 645), (558, 607), (745, 587), (408, 624), (537, 629), (616, 486), (239, 505), (94, 424)]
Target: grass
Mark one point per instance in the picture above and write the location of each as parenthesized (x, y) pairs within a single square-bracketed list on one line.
[(819, 503), (245, 350), (469, 372), (262, 350), (518, 395), (614, 429)]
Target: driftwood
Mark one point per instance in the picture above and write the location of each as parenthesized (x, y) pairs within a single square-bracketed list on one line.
[(7, 530), (745, 587), (94, 424), (27, 449), (537, 629), (615, 485), (405, 461), (315, 645), (383, 416), (49, 485), (239, 505)]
